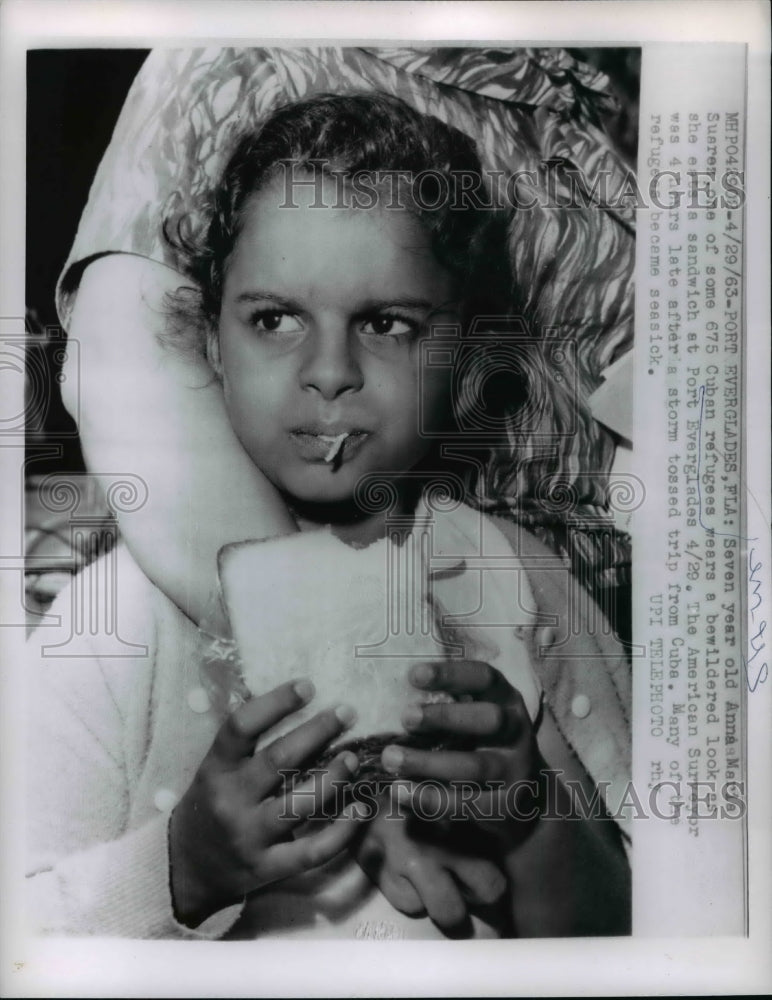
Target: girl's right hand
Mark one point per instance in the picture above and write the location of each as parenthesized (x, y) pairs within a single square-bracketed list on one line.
[(232, 831)]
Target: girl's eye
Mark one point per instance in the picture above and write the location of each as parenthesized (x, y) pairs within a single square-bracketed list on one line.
[(275, 321), (389, 326)]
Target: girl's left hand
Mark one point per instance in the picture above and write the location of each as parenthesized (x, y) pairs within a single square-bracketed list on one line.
[(496, 782), (422, 870), (565, 878)]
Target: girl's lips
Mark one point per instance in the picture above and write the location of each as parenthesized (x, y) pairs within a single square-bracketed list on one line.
[(315, 447)]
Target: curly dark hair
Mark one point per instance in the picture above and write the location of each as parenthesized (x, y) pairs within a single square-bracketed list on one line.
[(353, 135), (360, 133)]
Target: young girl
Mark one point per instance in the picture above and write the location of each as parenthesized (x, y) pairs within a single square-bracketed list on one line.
[(314, 314)]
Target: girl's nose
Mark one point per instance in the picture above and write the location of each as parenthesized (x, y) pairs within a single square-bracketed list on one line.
[(330, 366)]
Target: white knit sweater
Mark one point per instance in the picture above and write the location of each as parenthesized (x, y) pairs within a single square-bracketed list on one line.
[(112, 744)]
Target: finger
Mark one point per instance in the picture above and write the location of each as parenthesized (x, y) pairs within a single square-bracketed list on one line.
[(287, 859), (456, 676), (319, 797), (297, 747), (439, 894), (443, 804), (402, 895), (478, 766), (238, 736), (487, 721), (481, 881)]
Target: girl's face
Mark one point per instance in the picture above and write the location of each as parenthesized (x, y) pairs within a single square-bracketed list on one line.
[(323, 311)]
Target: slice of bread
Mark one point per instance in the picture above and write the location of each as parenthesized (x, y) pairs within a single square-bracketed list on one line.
[(355, 620)]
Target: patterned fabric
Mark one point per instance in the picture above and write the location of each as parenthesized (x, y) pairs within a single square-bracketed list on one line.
[(529, 110), (56, 547)]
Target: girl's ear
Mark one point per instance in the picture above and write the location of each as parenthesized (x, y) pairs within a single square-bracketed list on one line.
[(213, 350)]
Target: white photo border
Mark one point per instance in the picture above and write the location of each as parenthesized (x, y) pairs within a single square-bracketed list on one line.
[(576, 967)]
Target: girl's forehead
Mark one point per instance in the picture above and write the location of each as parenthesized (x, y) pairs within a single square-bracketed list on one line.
[(323, 205), (315, 241)]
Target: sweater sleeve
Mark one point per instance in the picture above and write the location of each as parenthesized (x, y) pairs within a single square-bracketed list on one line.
[(91, 870), (119, 889)]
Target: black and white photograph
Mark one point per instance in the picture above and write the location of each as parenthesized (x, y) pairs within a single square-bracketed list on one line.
[(393, 539)]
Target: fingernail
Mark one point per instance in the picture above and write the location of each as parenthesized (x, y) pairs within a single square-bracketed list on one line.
[(350, 761), (392, 759), (305, 690), (357, 810), (412, 716), (497, 886), (423, 674), (345, 714)]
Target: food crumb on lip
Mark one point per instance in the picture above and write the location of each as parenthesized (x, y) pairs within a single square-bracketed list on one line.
[(336, 443)]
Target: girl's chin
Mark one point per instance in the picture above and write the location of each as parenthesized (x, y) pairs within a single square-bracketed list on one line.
[(324, 503), (348, 494)]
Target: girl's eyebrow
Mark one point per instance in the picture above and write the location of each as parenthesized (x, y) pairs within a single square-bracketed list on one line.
[(401, 302), (372, 305), (257, 295), (407, 302)]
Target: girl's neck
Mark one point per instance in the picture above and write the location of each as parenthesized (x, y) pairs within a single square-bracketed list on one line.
[(353, 523)]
